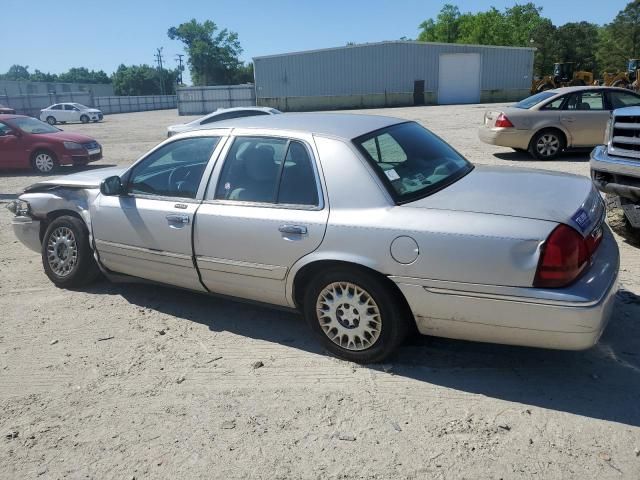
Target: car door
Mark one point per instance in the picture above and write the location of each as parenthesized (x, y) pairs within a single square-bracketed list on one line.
[(71, 113), (12, 152), (621, 99), (264, 209), (147, 231), (585, 116)]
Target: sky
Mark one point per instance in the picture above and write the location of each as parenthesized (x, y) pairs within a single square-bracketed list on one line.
[(100, 35)]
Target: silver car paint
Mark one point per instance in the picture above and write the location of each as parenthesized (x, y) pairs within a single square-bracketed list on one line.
[(485, 255)]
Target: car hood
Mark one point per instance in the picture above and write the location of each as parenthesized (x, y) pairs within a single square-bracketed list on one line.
[(65, 137), (525, 193), (87, 179)]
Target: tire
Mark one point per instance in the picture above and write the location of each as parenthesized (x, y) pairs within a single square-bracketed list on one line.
[(44, 161), (51, 120), (66, 255), (547, 144), (370, 345), (84, 119)]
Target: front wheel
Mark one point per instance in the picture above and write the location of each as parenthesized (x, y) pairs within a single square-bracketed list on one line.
[(43, 161), (547, 144), (355, 315), (51, 120), (84, 119), (66, 255)]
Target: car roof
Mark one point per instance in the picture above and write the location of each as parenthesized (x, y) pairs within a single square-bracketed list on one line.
[(342, 125), (9, 116), (585, 87)]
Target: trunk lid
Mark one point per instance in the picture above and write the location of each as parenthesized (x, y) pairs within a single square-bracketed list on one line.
[(525, 193)]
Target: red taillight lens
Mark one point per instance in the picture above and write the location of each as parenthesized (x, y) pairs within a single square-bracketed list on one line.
[(563, 256), (503, 121)]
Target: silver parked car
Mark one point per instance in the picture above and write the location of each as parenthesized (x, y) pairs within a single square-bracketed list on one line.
[(549, 122), (218, 116), (367, 224), (70, 112)]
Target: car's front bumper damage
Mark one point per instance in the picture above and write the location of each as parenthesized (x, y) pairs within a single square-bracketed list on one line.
[(27, 230)]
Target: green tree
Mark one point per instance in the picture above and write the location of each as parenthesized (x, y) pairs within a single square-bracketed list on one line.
[(576, 42), (543, 38), (39, 76), (17, 72), (444, 29), (619, 40), (213, 53), (244, 74), (143, 80), (84, 75)]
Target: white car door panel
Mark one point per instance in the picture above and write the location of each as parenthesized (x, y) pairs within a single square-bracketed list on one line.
[(244, 241)]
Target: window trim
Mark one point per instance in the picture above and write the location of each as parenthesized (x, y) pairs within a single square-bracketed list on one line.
[(126, 176), (224, 155), (357, 143), (605, 101)]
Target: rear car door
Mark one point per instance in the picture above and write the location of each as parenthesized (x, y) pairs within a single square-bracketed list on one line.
[(264, 209), (146, 232), (585, 115)]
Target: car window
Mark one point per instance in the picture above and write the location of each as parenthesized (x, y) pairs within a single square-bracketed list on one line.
[(32, 125), (554, 104), (585, 101), (298, 180), (4, 128), (69, 107), (174, 170), (534, 100), (411, 161), (268, 170), (56, 107), (623, 99)]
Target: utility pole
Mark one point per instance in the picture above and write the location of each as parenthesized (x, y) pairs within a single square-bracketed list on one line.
[(158, 56), (180, 67)]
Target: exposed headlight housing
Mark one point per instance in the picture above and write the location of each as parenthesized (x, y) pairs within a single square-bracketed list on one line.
[(72, 146), (607, 131), (19, 208)]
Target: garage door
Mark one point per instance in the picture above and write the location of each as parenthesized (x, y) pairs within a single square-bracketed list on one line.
[(459, 78)]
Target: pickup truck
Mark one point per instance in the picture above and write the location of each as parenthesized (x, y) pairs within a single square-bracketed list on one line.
[(615, 166)]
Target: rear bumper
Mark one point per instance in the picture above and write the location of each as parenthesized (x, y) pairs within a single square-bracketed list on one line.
[(572, 318), (505, 137), (27, 230)]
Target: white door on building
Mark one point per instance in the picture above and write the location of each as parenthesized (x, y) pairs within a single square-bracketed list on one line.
[(459, 78)]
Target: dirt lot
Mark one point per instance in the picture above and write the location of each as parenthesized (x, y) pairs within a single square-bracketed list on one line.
[(129, 381)]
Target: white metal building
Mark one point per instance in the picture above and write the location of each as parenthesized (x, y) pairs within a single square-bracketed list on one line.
[(392, 74)]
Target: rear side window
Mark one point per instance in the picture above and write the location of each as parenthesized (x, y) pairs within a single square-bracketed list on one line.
[(56, 107), (555, 104), (268, 170), (585, 101), (623, 99)]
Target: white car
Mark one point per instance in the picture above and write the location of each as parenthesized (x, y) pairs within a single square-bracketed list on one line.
[(70, 112), (219, 115)]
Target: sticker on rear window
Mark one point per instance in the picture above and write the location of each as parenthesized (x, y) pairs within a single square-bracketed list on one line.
[(392, 174), (582, 219)]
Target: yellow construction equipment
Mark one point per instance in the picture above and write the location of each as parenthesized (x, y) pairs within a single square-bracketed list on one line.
[(564, 75), (626, 79)]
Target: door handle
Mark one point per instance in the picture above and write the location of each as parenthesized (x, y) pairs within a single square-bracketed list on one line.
[(173, 218), (295, 229)]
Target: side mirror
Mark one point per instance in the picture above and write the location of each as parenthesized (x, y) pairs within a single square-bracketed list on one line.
[(111, 186), (9, 133)]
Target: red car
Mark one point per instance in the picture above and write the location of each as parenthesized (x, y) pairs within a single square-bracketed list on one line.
[(26, 142)]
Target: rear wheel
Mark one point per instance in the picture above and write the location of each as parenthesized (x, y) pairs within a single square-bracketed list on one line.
[(547, 144), (43, 161), (66, 254), (355, 315), (51, 120), (84, 119)]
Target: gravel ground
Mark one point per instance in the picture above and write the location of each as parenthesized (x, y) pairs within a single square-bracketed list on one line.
[(130, 381)]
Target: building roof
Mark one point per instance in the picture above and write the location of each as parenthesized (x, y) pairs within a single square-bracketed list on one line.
[(391, 42), (343, 125)]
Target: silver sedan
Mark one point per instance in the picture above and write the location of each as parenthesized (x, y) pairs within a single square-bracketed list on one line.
[(369, 225), (549, 122)]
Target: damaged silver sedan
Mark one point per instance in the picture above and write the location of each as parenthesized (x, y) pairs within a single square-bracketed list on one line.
[(366, 224)]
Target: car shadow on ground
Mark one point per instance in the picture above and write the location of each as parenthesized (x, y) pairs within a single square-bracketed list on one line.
[(571, 156), (601, 383), (64, 170)]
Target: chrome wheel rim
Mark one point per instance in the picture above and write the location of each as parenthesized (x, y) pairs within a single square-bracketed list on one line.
[(51, 121), (349, 316), (548, 145), (62, 251), (44, 162)]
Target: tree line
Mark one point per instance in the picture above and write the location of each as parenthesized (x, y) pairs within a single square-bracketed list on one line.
[(598, 48)]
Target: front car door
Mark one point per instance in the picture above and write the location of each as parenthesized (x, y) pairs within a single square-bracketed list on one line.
[(71, 113), (264, 209), (12, 154), (147, 231), (585, 115)]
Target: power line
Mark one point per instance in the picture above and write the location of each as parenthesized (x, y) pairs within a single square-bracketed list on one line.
[(159, 59), (180, 67)]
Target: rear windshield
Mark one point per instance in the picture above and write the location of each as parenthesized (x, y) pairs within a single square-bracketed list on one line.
[(533, 100), (412, 161), (31, 125)]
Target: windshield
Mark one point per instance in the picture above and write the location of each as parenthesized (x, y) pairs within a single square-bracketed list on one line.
[(79, 106), (534, 100), (412, 161), (31, 125)]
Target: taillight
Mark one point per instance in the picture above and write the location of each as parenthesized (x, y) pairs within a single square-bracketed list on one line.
[(563, 257), (503, 121)]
